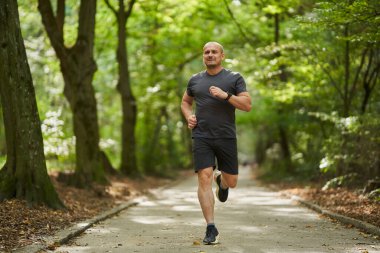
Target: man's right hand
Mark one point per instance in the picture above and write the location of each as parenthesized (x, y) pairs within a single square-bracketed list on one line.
[(191, 121)]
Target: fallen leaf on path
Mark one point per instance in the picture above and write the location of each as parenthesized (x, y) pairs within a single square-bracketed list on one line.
[(53, 246), (196, 243)]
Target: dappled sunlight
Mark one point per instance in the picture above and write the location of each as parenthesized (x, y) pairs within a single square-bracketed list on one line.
[(237, 210), (77, 249), (82, 224), (168, 202), (148, 203), (250, 229), (178, 194), (252, 220), (103, 230), (290, 213), (288, 210), (259, 201), (256, 191), (152, 220), (186, 208)]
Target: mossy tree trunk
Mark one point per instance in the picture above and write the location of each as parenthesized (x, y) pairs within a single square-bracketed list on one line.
[(78, 67), (128, 153), (24, 174)]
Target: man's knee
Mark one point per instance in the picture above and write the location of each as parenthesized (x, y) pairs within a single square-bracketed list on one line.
[(205, 176), (232, 183), (230, 180)]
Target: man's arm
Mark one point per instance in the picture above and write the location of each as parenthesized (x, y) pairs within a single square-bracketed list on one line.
[(242, 101), (187, 110)]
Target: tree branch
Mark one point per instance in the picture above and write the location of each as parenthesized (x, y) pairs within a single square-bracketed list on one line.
[(354, 84), (333, 83), (374, 73), (51, 26), (60, 16), (128, 12), (368, 67), (86, 24), (186, 61), (249, 41), (111, 7)]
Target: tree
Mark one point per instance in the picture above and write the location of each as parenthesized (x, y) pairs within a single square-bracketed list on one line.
[(24, 174), (350, 56), (129, 107), (78, 67)]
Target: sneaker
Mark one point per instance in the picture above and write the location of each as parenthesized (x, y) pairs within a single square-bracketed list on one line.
[(221, 194), (212, 235)]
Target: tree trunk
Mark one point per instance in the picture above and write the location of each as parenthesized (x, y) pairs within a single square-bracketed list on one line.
[(170, 145), (284, 143), (129, 106), (185, 133), (346, 102), (24, 174), (370, 77), (128, 156), (150, 163), (276, 28), (78, 67)]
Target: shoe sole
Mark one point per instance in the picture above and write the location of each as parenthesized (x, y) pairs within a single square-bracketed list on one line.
[(214, 242)]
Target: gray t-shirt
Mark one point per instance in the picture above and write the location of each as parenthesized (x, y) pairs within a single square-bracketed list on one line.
[(215, 117)]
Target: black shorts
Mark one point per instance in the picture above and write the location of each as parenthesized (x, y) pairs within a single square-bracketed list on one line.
[(205, 151)]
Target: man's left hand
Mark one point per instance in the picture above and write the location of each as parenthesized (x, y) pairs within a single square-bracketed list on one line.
[(217, 92)]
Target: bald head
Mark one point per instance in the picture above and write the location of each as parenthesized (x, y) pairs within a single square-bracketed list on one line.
[(214, 43), (213, 56)]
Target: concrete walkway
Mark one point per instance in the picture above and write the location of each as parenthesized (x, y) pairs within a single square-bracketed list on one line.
[(253, 219)]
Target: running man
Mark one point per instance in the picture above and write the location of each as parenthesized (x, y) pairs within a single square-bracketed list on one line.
[(217, 93)]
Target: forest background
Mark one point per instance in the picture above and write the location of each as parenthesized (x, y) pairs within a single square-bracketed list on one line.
[(311, 67)]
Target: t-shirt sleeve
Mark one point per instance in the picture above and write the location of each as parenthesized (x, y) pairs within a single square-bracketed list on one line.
[(188, 89), (240, 85)]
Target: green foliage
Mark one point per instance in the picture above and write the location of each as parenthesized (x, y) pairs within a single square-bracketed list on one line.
[(375, 195), (360, 15), (342, 181), (304, 84)]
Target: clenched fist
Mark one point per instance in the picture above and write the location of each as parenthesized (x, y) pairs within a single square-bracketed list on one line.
[(217, 92), (191, 121)]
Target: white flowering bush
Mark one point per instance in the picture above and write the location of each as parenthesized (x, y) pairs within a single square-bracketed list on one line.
[(56, 144)]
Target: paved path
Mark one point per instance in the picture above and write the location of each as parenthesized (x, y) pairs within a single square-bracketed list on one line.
[(253, 219)]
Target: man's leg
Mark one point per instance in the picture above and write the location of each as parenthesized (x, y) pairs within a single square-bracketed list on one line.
[(205, 194), (224, 181), (206, 200), (226, 154), (228, 180)]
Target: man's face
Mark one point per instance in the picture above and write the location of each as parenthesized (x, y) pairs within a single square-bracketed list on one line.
[(212, 55)]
